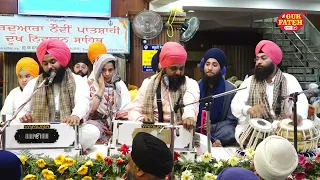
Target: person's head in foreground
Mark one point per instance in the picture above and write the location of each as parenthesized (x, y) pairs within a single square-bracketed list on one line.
[(237, 173), (149, 159), (10, 166), (26, 69), (268, 56), (95, 50), (54, 55), (213, 63), (173, 58), (275, 158)]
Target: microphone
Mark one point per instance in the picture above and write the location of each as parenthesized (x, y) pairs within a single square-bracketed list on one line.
[(308, 93), (166, 81), (51, 77)]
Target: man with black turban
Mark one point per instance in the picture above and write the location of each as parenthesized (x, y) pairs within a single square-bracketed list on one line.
[(150, 158)]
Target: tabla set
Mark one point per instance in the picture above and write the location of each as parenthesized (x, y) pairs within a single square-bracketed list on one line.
[(258, 129)]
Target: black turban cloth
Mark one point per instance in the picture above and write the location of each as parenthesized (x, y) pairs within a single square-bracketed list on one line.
[(10, 166), (151, 155), (155, 61)]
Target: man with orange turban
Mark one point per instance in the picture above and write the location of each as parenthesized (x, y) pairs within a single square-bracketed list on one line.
[(265, 88), (152, 101), (26, 69), (66, 99)]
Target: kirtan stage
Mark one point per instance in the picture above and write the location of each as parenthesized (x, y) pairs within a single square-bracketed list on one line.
[(38, 140)]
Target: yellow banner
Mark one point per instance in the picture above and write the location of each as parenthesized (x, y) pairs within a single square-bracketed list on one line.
[(147, 57)]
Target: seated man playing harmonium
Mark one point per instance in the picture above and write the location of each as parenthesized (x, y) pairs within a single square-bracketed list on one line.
[(66, 100), (152, 100)]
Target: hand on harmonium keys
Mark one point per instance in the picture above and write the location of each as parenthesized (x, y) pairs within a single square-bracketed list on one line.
[(71, 120), (188, 123), (27, 118), (146, 119)]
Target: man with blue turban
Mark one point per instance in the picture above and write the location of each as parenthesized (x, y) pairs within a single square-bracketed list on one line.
[(223, 122)]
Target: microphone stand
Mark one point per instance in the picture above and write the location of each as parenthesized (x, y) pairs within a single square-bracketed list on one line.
[(171, 132), (7, 123), (207, 101), (294, 97)]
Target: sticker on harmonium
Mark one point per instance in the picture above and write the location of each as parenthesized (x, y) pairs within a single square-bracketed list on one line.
[(36, 134), (154, 129), (37, 126)]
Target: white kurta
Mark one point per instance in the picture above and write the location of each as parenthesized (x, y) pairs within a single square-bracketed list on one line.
[(89, 133), (239, 105), (81, 98), (12, 103), (192, 94)]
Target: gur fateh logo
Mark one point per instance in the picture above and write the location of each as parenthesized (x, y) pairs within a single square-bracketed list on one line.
[(290, 21)]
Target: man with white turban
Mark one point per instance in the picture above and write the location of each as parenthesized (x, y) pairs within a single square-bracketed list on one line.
[(66, 100), (275, 158)]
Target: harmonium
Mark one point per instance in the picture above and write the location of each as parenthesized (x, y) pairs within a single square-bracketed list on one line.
[(51, 139), (125, 131)]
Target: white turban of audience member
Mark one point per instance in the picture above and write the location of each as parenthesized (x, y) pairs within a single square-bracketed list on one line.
[(313, 86), (275, 158)]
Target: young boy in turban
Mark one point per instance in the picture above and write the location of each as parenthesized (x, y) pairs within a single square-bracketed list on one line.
[(66, 100), (26, 69), (275, 158), (263, 96), (150, 158), (152, 100), (223, 122)]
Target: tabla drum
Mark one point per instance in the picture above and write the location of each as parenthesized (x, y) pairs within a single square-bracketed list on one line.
[(316, 119), (255, 132), (307, 134)]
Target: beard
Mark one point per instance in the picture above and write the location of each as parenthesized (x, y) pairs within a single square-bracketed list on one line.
[(262, 73), (59, 74), (129, 176), (176, 82), (82, 74), (212, 80)]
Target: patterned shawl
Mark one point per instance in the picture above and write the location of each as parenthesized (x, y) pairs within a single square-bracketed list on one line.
[(258, 95), (151, 92), (43, 106)]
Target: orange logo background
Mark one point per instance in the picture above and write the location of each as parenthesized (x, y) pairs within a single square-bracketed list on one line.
[(290, 21)]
